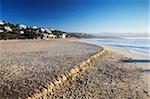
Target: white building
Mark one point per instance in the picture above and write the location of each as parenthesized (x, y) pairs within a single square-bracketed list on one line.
[(21, 32), (52, 36), (48, 30), (52, 29), (63, 36), (22, 26), (48, 36), (1, 31), (42, 29), (7, 28), (1, 22), (34, 27)]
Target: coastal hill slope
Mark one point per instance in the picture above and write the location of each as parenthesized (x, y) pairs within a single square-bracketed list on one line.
[(21, 31)]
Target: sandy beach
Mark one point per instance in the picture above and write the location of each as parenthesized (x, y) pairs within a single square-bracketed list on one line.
[(25, 65), (109, 78)]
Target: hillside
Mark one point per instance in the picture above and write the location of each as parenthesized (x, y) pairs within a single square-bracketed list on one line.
[(20, 31)]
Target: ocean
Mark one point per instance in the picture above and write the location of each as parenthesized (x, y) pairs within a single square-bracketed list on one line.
[(135, 45)]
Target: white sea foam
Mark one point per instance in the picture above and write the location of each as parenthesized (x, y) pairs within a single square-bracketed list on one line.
[(135, 45)]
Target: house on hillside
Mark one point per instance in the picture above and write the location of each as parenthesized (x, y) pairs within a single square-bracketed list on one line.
[(63, 35), (7, 28), (47, 36), (52, 29), (22, 26), (1, 22), (42, 30), (34, 27), (52, 36), (48, 30), (21, 32)]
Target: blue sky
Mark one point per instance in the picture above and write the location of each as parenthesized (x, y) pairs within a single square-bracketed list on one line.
[(90, 16)]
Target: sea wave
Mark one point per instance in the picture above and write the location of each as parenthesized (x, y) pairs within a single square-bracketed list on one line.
[(138, 46)]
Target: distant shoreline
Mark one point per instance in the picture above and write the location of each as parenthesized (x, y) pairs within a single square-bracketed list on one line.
[(137, 46)]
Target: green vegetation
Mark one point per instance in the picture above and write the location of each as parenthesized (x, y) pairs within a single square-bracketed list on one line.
[(14, 31)]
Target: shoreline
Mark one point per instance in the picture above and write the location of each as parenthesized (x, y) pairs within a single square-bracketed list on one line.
[(125, 52), (110, 66), (112, 59), (109, 47), (123, 44), (128, 54)]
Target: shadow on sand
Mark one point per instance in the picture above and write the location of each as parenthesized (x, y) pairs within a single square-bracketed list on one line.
[(136, 61), (146, 71)]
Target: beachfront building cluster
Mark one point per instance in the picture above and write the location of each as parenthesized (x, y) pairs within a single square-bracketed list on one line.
[(22, 26), (29, 32), (21, 31)]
